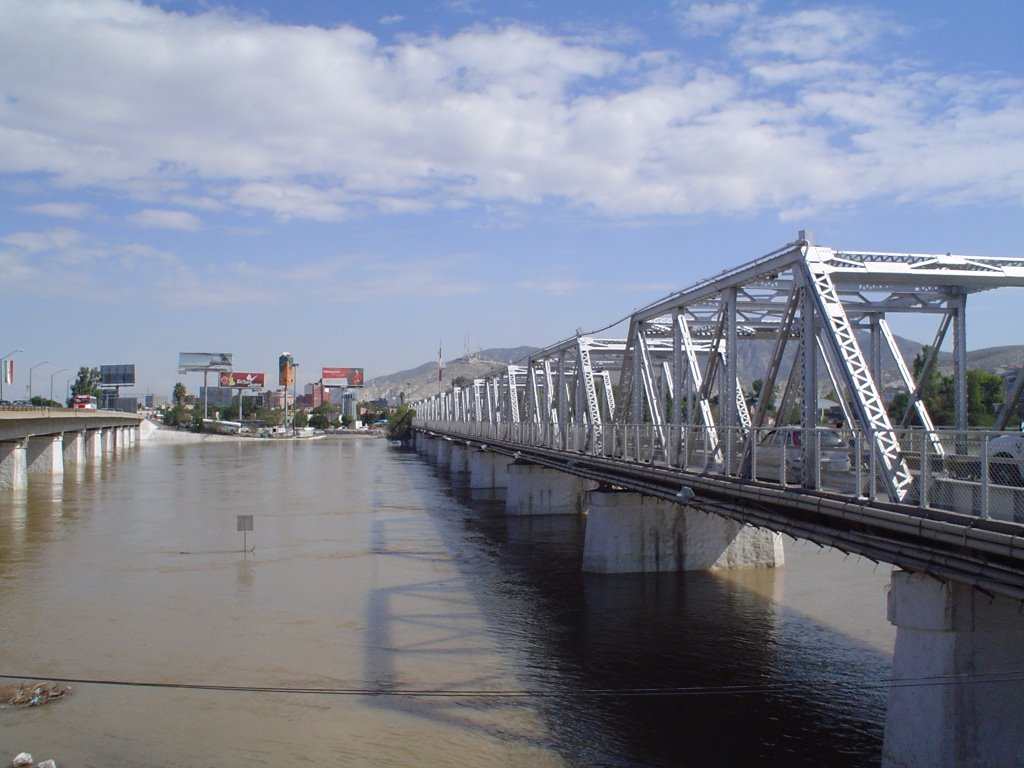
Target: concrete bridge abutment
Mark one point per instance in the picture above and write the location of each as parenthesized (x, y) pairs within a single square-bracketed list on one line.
[(958, 652), (537, 490), (628, 532)]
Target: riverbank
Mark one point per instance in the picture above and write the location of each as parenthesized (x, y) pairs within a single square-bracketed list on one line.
[(150, 431)]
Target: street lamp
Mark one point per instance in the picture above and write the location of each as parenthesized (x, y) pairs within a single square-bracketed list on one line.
[(51, 380), (30, 378), (295, 390), (3, 369)]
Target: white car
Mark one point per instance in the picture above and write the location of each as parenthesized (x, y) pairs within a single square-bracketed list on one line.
[(1006, 459), (833, 455)]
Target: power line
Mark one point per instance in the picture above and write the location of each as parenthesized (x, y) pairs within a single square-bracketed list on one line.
[(696, 690)]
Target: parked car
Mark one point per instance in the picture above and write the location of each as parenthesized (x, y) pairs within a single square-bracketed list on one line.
[(833, 454)]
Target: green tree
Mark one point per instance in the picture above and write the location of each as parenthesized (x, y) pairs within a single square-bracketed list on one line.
[(301, 419), (87, 382), (44, 402), (399, 426), (179, 393)]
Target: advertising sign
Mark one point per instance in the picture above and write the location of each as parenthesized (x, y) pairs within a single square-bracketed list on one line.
[(342, 377), (286, 370), (204, 361), (242, 380), (117, 375), (8, 371)]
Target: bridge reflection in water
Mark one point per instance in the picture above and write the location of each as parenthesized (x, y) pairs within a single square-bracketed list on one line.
[(651, 434)]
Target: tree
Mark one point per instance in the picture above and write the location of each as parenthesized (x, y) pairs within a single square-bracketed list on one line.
[(87, 383), (459, 381), (179, 393), (400, 424), (301, 419)]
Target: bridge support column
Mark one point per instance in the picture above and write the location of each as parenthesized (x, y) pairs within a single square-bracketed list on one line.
[(460, 459), (962, 646), (45, 454), (94, 443), (444, 453), (537, 490), (629, 532), (488, 469), (426, 445), (13, 467), (74, 448)]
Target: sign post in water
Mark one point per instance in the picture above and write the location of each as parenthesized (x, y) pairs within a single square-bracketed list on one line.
[(245, 525)]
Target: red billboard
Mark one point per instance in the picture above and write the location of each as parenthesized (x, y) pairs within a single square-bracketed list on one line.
[(341, 377), (242, 380)]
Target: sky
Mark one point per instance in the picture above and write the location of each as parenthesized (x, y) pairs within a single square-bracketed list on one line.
[(356, 183)]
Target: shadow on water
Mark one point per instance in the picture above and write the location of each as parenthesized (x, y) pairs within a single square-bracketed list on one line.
[(810, 696)]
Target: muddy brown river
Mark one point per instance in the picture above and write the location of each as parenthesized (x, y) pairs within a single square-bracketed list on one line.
[(389, 617)]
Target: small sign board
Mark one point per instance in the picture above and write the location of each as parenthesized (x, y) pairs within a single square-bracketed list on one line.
[(244, 522)]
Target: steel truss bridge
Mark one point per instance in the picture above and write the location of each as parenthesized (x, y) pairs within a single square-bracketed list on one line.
[(662, 408)]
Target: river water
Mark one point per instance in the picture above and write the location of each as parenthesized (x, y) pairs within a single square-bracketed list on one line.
[(377, 580)]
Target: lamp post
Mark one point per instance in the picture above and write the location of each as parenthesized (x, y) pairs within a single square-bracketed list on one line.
[(30, 378), (51, 380), (3, 369), (295, 390)]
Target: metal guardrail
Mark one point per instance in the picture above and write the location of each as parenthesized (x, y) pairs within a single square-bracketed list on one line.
[(952, 470)]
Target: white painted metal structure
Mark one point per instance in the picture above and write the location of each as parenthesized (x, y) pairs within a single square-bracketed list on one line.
[(792, 314)]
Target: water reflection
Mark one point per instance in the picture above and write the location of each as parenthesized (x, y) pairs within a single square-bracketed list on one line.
[(373, 573)]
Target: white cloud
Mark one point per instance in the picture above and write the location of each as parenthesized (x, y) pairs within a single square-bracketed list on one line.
[(711, 18), (61, 210), (151, 218), (215, 112)]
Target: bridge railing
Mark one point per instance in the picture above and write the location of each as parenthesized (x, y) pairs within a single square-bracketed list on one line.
[(953, 470)]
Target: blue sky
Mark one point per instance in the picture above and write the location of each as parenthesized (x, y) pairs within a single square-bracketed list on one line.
[(353, 182)]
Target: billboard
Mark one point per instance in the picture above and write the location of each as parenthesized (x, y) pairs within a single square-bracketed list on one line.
[(117, 375), (342, 377), (204, 361), (286, 370), (242, 380)]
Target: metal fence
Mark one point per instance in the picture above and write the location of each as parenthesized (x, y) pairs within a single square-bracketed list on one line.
[(959, 471)]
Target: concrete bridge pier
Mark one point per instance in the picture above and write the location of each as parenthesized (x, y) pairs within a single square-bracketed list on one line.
[(444, 453), (628, 532), (13, 466), (426, 445), (488, 469), (74, 448), (536, 490), (45, 454), (961, 652), (94, 443), (460, 459)]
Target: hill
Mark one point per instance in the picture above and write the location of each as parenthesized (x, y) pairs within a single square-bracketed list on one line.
[(421, 381)]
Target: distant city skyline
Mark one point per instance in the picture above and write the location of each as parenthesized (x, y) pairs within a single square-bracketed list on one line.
[(353, 182)]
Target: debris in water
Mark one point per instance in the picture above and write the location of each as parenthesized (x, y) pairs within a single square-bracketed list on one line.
[(23, 759), (31, 694)]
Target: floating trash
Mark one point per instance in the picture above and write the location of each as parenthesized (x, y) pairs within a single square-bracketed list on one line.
[(31, 694)]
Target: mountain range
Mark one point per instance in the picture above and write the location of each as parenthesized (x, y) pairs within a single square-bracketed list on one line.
[(422, 381)]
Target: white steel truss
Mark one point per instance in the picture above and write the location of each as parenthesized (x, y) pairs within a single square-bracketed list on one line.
[(785, 317)]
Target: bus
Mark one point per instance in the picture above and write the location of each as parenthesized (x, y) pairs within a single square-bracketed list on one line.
[(88, 402)]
